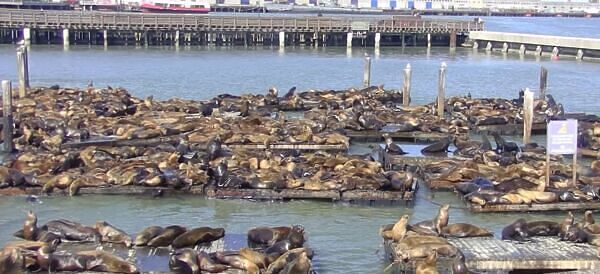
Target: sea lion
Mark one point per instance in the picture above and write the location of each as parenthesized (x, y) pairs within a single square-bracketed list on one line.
[(589, 224), (278, 248), (61, 262), (300, 265), (184, 260), (421, 251), (576, 235), (12, 261), (391, 147), (416, 240), (543, 228), (290, 93), (72, 231), (458, 264), (461, 230), (197, 236), (237, 261), (166, 237), (206, 263), (440, 146), (429, 265), (399, 229), (147, 234), (30, 229), (565, 225), (538, 196), (517, 231), (258, 258), (280, 263), (434, 227), (111, 234), (214, 148), (107, 262), (502, 145), (270, 235)]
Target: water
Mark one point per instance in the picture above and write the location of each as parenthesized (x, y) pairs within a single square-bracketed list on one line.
[(344, 236)]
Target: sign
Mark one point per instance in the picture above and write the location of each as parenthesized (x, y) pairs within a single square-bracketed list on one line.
[(562, 137), (360, 26)]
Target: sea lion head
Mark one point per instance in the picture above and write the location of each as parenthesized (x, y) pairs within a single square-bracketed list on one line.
[(588, 219)]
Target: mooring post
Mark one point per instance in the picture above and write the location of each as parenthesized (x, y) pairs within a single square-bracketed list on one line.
[(406, 87), (522, 49), (377, 40), (538, 50), (27, 36), (349, 40), (489, 46), (65, 36), (475, 45), (176, 38), (579, 55), (543, 82), (453, 39), (441, 90), (555, 52), (105, 34), (527, 116), (23, 70), (281, 39), (505, 47), (429, 40), (367, 72), (7, 115)]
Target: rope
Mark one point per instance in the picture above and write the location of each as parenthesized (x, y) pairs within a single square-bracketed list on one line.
[(430, 200)]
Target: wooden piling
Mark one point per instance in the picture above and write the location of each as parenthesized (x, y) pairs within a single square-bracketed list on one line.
[(406, 87), (7, 116), (367, 72), (543, 82), (23, 70), (527, 115), (441, 102)]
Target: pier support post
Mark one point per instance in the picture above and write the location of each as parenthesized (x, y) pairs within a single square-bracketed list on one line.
[(505, 47), (579, 55), (429, 40), (489, 46), (23, 70), (403, 40), (554, 52), (527, 115), (406, 86), (27, 36), (7, 118), (441, 100), (377, 40), (65, 36), (475, 45), (543, 82), (349, 40), (522, 49), (281, 39), (367, 72), (538, 50), (453, 39), (176, 38), (105, 36)]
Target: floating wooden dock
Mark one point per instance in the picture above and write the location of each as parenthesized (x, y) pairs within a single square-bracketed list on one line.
[(559, 206), (413, 136), (509, 129), (590, 153), (497, 256)]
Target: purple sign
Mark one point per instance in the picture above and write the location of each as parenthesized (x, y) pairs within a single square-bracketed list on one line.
[(562, 137)]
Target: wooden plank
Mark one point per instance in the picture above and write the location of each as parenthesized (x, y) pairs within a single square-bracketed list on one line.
[(590, 153), (561, 206), (271, 194), (112, 190), (411, 136), (509, 129), (376, 195), (399, 160)]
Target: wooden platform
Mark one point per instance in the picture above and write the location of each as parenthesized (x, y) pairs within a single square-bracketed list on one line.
[(590, 153), (413, 136), (395, 162), (496, 256), (509, 129), (561, 206)]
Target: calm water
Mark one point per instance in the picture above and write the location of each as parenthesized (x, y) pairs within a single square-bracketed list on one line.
[(344, 236)]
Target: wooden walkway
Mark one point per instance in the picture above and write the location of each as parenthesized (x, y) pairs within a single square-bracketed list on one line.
[(413, 136), (560, 206), (186, 22), (491, 254)]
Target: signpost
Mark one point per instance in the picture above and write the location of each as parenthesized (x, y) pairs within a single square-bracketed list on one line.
[(562, 139)]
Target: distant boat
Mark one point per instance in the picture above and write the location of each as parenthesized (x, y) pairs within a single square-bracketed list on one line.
[(176, 6)]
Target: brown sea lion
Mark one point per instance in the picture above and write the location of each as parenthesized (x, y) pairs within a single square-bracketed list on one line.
[(198, 236), (111, 234), (107, 262), (30, 229), (258, 258), (565, 225), (270, 235), (61, 262), (399, 229), (12, 261), (517, 231), (300, 265), (207, 264), (589, 224), (237, 261), (422, 251), (429, 265), (458, 264), (279, 264), (538, 196), (166, 237), (147, 234), (434, 227), (543, 228), (416, 240), (462, 230), (184, 260), (72, 231)]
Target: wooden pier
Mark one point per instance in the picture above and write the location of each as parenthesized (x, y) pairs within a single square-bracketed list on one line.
[(35, 26), (558, 206), (579, 47), (497, 256), (413, 136)]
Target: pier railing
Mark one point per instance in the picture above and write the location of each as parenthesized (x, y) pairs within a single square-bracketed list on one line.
[(10, 18)]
